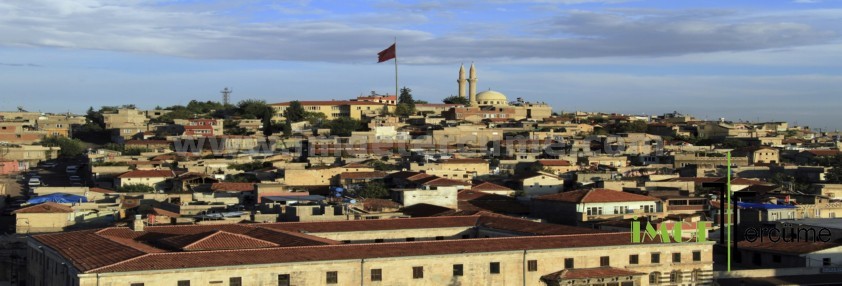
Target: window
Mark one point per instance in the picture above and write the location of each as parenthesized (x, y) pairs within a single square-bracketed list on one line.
[(604, 261), (466, 236), (235, 281), (594, 211), (633, 259), (379, 240), (656, 258), (756, 259), (376, 274), (184, 283), (332, 277), (136, 284), (532, 265), (654, 277), (283, 280), (417, 272), (675, 277), (825, 261), (457, 270), (676, 257), (439, 237), (494, 267), (697, 256), (621, 209), (410, 239), (696, 275), (568, 263)]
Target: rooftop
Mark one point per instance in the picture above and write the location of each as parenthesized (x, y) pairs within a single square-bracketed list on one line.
[(595, 196), (188, 246)]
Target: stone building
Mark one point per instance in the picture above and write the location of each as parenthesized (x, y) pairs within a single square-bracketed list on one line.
[(467, 250)]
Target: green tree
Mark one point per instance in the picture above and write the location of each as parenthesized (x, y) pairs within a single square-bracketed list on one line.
[(315, 118), (343, 126), (787, 181), (69, 147), (834, 176), (406, 105), (374, 190), (295, 112), (455, 99), (734, 143), (252, 109)]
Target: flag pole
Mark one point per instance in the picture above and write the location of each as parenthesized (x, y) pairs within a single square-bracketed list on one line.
[(396, 67)]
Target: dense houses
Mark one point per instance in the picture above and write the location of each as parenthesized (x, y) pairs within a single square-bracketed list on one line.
[(484, 191)]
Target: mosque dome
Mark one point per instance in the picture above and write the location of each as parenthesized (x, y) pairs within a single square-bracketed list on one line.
[(490, 97)]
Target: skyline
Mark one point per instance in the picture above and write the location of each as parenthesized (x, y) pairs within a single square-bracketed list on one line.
[(766, 60)]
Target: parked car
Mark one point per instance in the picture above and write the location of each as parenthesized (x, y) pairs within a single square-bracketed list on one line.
[(75, 178), (48, 165), (71, 169), (34, 182)]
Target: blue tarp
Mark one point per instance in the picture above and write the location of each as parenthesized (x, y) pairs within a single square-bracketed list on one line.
[(57, 198), (763, 206)]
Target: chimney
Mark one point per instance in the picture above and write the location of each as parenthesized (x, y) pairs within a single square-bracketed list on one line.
[(137, 223)]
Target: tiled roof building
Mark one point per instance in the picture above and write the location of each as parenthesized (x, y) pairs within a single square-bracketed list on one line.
[(417, 251)]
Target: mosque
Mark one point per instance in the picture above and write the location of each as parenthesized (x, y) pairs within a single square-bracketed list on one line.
[(492, 105)]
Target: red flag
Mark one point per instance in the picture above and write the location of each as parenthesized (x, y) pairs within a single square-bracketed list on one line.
[(387, 54)]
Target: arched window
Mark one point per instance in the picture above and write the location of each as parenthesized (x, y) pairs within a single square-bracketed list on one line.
[(654, 277), (675, 277)]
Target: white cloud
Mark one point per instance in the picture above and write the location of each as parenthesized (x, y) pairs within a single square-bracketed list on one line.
[(209, 31)]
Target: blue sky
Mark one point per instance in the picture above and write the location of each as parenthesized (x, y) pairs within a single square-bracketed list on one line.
[(749, 60)]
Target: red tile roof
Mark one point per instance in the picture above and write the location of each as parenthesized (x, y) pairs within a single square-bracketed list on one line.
[(582, 273), (120, 249), (441, 182), (216, 240), (232, 187), (180, 260), (488, 186), (48, 207), (799, 247), (596, 196), (165, 212), (148, 174), (370, 225)]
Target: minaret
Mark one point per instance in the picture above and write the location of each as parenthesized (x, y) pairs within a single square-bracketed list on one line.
[(461, 81), (472, 85)]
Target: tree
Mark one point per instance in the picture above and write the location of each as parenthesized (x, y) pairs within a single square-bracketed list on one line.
[(295, 112), (343, 126), (406, 105), (834, 176), (385, 111), (252, 109), (69, 147), (734, 143), (455, 99), (374, 190), (787, 181)]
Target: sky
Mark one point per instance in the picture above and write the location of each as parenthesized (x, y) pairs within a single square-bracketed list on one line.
[(740, 60)]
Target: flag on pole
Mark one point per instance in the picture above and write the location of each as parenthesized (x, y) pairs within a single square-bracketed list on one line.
[(387, 54)]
